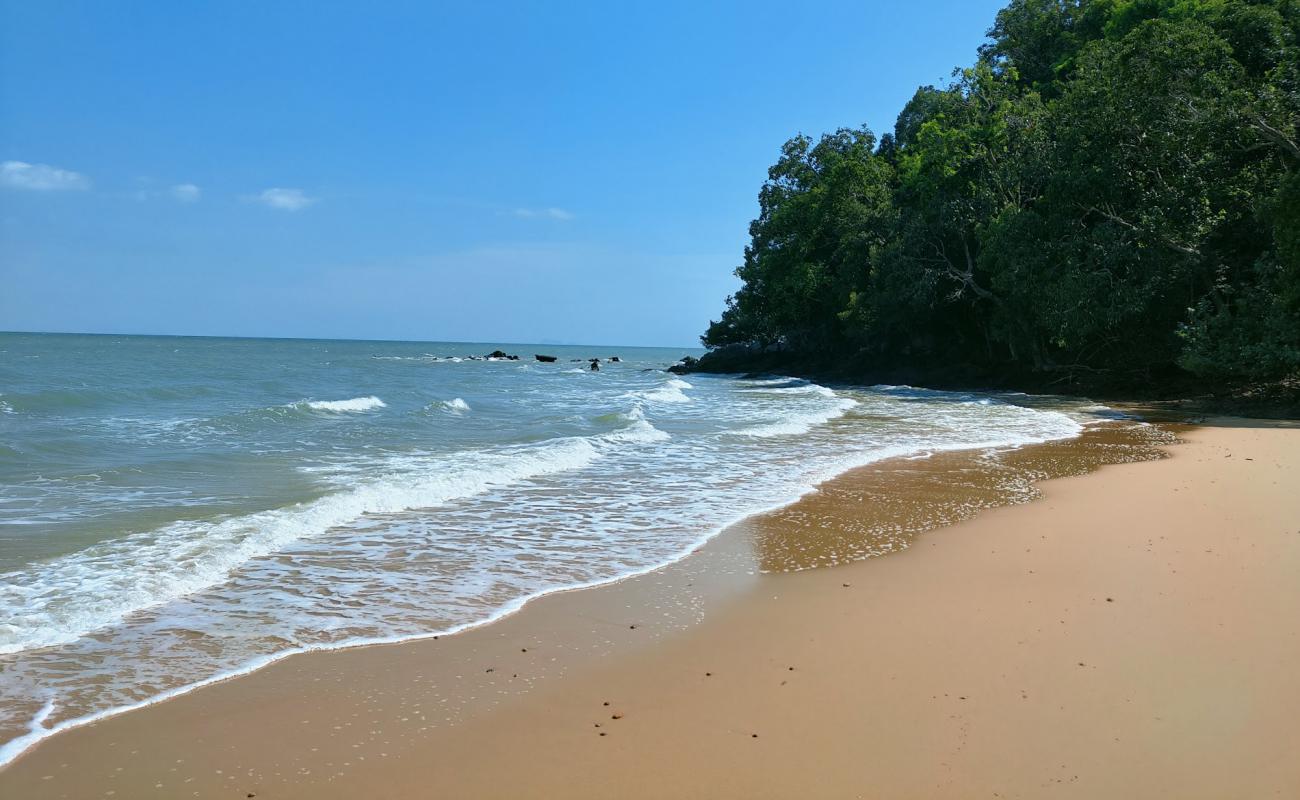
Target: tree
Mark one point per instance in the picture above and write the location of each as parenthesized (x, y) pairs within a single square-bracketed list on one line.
[(1112, 187)]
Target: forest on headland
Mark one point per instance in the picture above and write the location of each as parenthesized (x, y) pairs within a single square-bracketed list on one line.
[(1109, 196)]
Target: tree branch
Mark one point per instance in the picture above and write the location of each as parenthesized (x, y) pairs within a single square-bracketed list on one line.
[(1167, 242), (1276, 136)]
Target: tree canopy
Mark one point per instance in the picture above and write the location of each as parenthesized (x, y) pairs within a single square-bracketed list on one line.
[(1114, 186)]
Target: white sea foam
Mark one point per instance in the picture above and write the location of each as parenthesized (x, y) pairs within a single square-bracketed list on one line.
[(800, 421), (355, 404), (670, 392), (801, 388), (455, 405), (639, 429), (61, 600)]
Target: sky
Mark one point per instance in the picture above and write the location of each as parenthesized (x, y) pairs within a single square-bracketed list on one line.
[(491, 172)]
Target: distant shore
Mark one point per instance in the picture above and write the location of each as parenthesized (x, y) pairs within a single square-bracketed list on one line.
[(1132, 633)]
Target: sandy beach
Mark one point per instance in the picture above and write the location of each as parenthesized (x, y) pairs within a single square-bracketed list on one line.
[(1132, 633)]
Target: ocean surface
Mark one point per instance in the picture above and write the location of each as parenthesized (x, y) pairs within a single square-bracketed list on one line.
[(174, 510)]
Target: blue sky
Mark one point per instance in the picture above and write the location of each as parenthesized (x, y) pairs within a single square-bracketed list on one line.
[(512, 172)]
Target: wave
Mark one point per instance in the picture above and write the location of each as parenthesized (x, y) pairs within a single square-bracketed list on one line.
[(670, 392), (792, 389), (454, 405), (797, 422), (355, 404), (638, 430), (62, 600)]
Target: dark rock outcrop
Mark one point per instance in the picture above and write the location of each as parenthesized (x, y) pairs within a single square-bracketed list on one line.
[(544, 359), (687, 364)]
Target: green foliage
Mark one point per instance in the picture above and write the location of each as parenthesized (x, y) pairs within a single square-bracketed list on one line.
[(1113, 186), (824, 209)]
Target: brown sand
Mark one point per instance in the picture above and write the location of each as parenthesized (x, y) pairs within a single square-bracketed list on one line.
[(1135, 633)]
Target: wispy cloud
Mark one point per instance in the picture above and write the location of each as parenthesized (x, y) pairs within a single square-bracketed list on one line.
[(186, 193), (544, 213), (285, 199), (40, 177)]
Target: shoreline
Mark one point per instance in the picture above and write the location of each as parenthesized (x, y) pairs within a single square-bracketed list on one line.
[(16, 748), (716, 581), (1179, 393)]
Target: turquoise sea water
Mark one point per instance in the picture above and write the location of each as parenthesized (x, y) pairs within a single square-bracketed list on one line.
[(176, 509)]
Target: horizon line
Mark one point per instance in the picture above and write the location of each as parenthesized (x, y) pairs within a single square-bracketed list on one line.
[(346, 339)]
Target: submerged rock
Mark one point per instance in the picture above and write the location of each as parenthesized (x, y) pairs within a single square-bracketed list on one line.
[(544, 359)]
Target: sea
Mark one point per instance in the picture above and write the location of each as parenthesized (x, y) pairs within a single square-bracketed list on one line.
[(176, 510)]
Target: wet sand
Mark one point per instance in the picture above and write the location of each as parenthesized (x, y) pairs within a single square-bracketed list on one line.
[(1133, 633)]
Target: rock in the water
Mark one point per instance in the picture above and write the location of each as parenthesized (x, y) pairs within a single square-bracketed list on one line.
[(687, 364), (498, 354), (615, 359), (544, 359)]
